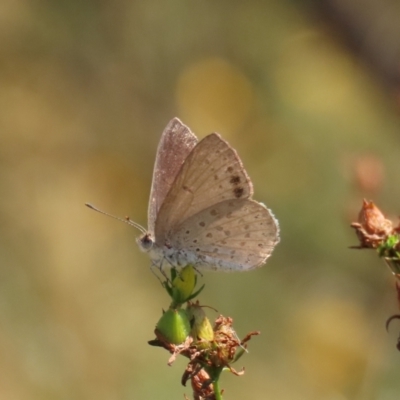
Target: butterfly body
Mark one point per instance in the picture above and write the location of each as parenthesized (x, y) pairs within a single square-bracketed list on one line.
[(167, 256), (201, 211)]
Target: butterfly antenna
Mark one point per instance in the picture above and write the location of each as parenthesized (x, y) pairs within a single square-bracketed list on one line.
[(127, 220)]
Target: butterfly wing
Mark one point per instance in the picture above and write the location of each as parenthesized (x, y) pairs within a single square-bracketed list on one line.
[(176, 142), (211, 173), (233, 235)]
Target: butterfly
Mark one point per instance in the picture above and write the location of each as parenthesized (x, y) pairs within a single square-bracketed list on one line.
[(201, 210)]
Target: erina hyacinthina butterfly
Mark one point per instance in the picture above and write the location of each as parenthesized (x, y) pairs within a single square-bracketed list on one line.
[(201, 210)]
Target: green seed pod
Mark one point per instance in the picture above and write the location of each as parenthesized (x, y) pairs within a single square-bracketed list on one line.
[(183, 284), (174, 326), (201, 326)]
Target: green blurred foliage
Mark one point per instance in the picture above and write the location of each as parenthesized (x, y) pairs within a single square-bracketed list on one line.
[(86, 90)]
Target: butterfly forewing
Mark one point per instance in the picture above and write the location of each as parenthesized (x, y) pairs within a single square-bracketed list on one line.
[(232, 235), (176, 142), (211, 173)]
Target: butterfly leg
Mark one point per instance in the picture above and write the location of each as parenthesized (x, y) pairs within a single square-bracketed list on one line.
[(158, 268), (197, 270)]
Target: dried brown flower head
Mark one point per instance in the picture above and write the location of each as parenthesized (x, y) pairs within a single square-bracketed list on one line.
[(372, 227), (209, 349)]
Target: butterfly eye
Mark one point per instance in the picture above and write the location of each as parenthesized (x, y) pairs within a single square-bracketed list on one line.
[(146, 242)]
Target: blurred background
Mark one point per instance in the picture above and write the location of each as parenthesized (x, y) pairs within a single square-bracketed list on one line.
[(308, 94)]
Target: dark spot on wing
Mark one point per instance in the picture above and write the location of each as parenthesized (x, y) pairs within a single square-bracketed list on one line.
[(202, 223), (235, 180), (238, 192), (230, 169)]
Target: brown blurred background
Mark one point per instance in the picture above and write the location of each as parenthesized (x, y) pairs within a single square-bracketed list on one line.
[(308, 95)]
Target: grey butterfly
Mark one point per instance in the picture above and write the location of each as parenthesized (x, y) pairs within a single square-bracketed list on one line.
[(201, 210)]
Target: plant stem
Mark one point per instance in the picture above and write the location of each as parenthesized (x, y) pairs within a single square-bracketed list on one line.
[(217, 390)]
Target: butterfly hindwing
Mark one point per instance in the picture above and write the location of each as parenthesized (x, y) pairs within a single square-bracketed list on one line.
[(233, 235)]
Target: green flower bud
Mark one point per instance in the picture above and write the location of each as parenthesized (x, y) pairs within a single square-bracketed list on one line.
[(174, 326), (201, 326), (183, 284)]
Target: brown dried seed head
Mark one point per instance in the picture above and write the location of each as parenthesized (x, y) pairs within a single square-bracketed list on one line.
[(373, 229), (373, 221)]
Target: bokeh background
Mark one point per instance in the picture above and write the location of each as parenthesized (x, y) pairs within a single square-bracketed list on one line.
[(307, 92)]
